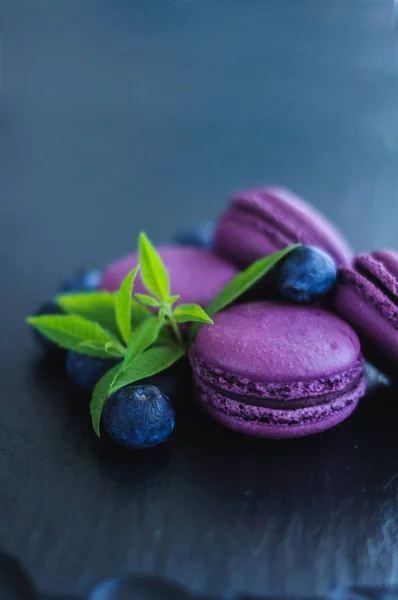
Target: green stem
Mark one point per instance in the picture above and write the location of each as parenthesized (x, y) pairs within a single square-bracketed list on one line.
[(176, 330), (174, 325)]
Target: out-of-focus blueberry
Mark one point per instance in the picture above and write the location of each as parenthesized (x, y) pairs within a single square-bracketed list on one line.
[(200, 236), (82, 281), (306, 274), (138, 416), (85, 371)]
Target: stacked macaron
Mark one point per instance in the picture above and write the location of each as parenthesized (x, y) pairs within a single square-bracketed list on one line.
[(283, 367), (273, 370), (287, 359)]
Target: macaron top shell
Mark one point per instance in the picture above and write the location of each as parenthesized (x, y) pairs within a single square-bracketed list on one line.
[(196, 275), (275, 342), (292, 218)]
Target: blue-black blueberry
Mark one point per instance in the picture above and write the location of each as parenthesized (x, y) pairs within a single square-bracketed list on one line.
[(306, 274), (84, 280), (85, 371), (200, 236), (138, 416)]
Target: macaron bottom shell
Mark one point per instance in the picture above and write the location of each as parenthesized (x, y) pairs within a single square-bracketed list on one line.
[(273, 423)]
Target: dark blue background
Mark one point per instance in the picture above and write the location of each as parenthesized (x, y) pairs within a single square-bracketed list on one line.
[(118, 116)]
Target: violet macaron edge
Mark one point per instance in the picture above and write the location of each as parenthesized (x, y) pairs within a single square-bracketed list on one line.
[(274, 370), (264, 220), (195, 274), (367, 297)]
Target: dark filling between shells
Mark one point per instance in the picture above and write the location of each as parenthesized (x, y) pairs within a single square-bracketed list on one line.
[(273, 403), (276, 420)]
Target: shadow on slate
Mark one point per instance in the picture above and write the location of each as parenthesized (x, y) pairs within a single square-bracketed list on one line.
[(15, 584), (14, 581)]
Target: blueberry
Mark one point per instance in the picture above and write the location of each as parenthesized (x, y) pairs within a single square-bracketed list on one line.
[(82, 281), (85, 370), (48, 308), (138, 416), (200, 236), (306, 274)]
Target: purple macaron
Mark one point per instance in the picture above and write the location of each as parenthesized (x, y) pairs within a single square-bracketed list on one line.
[(367, 297), (262, 221), (275, 370), (196, 275)]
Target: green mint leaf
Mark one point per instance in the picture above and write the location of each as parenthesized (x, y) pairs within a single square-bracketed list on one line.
[(147, 300), (152, 361), (245, 280), (165, 338), (191, 312), (173, 299), (68, 331), (94, 306), (102, 349), (153, 272), (100, 395), (139, 313), (123, 304), (141, 338), (242, 282)]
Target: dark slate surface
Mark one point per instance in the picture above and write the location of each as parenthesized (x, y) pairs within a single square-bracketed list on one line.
[(15, 584), (121, 115)]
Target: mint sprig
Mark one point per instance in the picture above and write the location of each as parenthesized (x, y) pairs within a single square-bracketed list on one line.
[(154, 273), (100, 395), (155, 278), (142, 330), (148, 300), (242, 282), (149, 363), (186, 313), (144, 336), (71, 331), (94, 306), (123, 305)]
